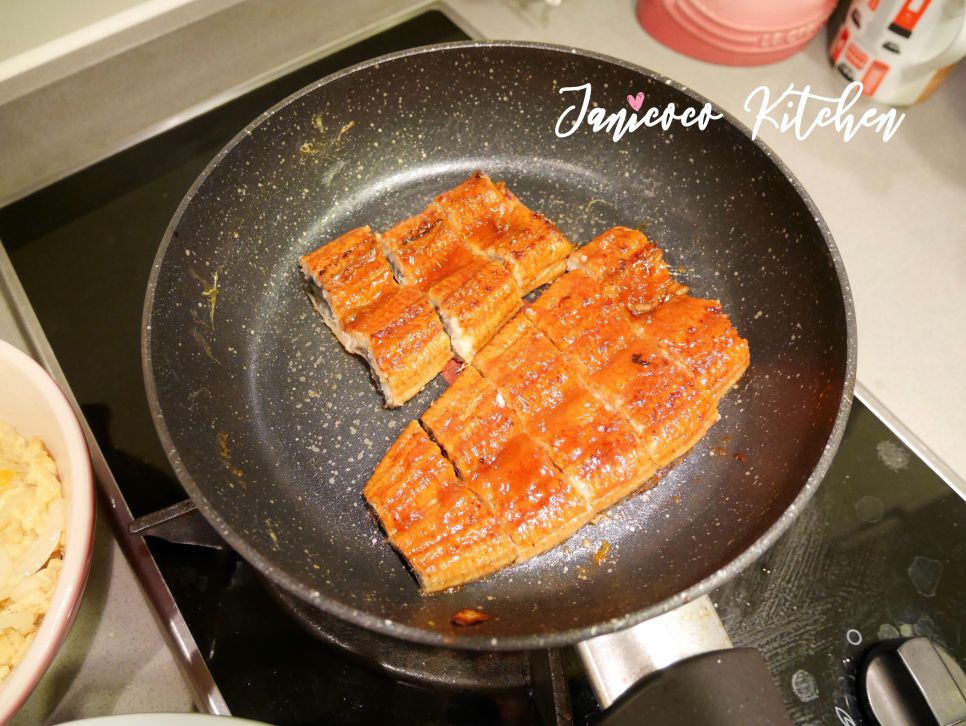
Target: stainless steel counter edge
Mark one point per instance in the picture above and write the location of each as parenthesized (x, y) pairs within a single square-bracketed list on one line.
[(902, 432), (207, 697)]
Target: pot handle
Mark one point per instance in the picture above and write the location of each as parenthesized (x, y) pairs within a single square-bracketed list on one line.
[(680, 667), (722, 688)]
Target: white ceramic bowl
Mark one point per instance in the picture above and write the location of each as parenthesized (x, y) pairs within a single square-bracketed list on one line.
[(33, 404)]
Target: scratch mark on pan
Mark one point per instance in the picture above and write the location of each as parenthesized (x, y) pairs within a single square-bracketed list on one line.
[(332, 171)]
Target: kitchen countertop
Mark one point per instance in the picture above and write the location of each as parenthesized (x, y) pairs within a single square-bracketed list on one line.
[(114, 659), (879, 199)]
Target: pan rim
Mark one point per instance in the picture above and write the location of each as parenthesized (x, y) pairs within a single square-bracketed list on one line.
[(481, 642)]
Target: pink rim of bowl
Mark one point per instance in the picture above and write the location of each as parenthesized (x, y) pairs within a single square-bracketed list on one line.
[(23, 382)]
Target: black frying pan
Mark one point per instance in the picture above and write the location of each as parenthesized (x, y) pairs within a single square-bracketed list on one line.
[(273, 429)]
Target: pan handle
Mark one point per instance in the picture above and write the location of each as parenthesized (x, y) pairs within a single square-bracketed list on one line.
[(680, 667)]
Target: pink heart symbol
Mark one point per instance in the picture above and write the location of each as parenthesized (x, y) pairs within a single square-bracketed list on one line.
[(636, 101)]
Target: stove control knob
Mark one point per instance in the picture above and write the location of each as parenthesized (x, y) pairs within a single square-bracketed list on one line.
[(916, 683)]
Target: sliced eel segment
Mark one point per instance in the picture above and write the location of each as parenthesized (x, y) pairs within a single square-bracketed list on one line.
[(425, 249), (444, 531), (533, 500), (403, 339), (345, 275), (530, 245), (478, 209), (495, 223), (595, 446), (701, 334), (589, 327), (474, 303), (629, 267), (471, 422), (525, 367), (394, 327), (668, 406)]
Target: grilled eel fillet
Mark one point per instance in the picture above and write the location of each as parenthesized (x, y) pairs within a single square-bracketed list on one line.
[(699, 333), (444, 531), (393, 327), (474, 296), (474, 303), (633, 272), (346, 275), (425, 249), (579, 402), (474, 252)]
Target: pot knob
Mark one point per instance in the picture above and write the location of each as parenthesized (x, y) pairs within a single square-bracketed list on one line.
[(917, 682)]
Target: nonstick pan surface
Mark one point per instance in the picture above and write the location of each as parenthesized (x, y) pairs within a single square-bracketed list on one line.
[(273, 429)]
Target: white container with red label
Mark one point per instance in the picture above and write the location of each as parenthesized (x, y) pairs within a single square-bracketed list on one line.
[(900, 49)]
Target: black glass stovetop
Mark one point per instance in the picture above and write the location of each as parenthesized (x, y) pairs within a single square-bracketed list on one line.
[(879, 554)]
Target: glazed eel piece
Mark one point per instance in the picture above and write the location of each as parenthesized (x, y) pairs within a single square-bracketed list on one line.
[(473, 295), (495, 223), (668, 406), (476, 250), (496, 497), (632, 270), (536, 504), (393, 326), (441, 527), (593, 444)]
